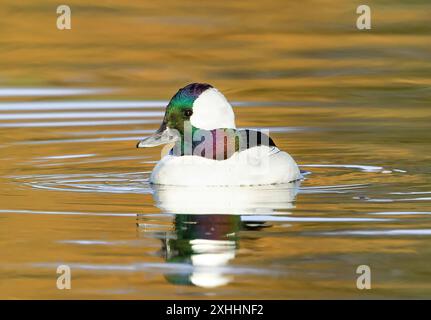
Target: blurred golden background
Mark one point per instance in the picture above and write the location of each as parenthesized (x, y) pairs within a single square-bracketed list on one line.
[(351, 106)]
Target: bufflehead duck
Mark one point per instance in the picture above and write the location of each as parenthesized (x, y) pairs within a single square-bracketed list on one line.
[(209, 150)]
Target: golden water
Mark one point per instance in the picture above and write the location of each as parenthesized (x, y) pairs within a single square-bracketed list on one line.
[(352, 107)]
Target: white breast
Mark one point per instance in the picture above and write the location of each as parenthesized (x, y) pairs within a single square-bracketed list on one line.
[(260, 165)]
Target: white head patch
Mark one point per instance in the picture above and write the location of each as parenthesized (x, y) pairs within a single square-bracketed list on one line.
[(211, 110)]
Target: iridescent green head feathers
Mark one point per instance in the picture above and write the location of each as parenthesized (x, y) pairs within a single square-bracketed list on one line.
[(200, 104)]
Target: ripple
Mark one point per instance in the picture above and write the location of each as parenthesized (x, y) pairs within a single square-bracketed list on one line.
[(68, 156), (81, 105), (135, 183), (102, 160), (410, 193), (102, 242), (75, 123), (37, 92), (86, 115), (87, 140), (308, 219), (395, 213), (395, 232), (398, 200), (111, 132), (68, 213), (364, 168), (342, 188), (166, 268), (280, 129)]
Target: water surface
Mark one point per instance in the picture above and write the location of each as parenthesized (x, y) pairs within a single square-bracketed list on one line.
[(351, 107)]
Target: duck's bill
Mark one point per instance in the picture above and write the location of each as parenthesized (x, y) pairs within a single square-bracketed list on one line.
[(159, 138)]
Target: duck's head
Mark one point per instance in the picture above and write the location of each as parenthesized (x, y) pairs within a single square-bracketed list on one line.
[(198, 103)]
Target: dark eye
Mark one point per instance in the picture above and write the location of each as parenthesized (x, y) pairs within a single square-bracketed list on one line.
[(188, 112)]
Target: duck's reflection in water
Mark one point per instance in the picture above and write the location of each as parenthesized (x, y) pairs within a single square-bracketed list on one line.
[(208, 243), (207, 222)]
